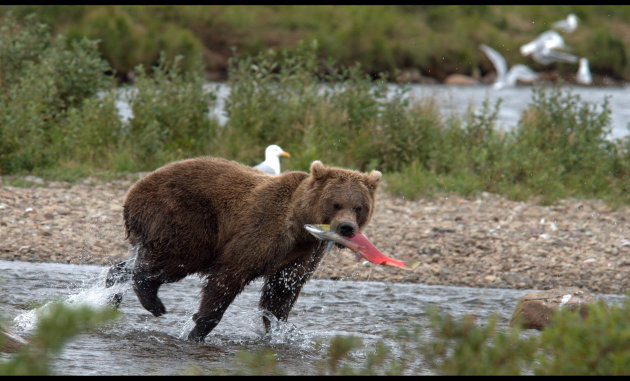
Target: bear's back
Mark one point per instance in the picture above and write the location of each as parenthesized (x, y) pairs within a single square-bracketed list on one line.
[(196, 205)]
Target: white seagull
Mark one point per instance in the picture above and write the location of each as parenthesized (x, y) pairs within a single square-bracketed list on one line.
[(583, 76), (544, 49), (568, 25), (272, 160), (505, 77)]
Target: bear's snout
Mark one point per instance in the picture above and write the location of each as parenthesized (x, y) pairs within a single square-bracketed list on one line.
[(346, 229)]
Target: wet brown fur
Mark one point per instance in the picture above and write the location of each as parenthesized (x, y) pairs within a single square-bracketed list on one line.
[(233, 224)]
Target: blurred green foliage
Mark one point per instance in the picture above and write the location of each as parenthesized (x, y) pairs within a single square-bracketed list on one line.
[(436, 39), (595, 345), (571, 345), (57, 324)]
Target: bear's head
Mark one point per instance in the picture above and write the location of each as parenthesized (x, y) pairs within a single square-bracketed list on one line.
[(342, 197)]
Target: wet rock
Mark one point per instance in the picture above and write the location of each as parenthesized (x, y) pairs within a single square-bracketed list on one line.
[(10, 341), (460, 80), (534, 310)]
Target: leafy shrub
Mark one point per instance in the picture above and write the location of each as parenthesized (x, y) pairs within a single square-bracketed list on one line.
[(271, 99), (20, 45), (176, 41), (36, 92), (170, 115), (123, 43), (463, 348), (92, 132), (594, 345), (344, 118), (561, 143)]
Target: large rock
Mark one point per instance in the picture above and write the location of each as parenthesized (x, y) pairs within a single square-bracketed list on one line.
[(10, 341), (536, 308), (460, 80)]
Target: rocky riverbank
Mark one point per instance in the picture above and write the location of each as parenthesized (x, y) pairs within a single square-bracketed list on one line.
[(485, 241)]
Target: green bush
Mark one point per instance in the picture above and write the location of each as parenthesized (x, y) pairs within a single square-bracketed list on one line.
[(92, 133), (123, 43), (594, 345), (343, 118), (20, 46), (58, 108), (270, 102), (560, 146), (37, 91), (171, 117), (57, 324)]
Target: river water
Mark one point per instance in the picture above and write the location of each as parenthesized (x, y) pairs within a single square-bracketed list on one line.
[(140, 344)]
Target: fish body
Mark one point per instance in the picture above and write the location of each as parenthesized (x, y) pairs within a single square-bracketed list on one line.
[(358, 243)]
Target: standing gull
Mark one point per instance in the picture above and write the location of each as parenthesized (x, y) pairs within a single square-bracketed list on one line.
[(505, 77), (583, 76), (568, 25), (272, 160), (544, 49)]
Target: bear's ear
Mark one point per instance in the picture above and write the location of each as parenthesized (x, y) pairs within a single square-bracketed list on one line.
[(318, 170), (373, 178)]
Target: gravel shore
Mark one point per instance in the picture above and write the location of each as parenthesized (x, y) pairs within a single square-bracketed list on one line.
[(485, 241)]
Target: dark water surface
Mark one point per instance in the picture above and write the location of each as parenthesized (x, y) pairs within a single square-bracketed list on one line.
[(140, 344)]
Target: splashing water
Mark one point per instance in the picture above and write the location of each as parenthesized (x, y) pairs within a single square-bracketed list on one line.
[(91, 293)]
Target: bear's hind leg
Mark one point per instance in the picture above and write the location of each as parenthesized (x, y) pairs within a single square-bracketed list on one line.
[(146, 286)]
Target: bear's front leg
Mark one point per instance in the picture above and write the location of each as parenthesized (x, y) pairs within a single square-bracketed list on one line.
[(281, 291), (216, 296)]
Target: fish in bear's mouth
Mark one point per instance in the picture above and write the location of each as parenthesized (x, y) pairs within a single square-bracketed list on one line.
[(358, 243)]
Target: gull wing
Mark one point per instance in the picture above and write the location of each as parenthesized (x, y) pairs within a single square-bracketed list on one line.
[(497, 60), (521, 73)]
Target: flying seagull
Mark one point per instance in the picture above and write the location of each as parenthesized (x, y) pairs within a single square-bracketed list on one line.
[(544, 49), (272, 160), (568, 25), (505, 77)]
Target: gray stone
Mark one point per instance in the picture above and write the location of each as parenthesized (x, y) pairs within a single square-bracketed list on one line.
[(534, 310), (10, 341)]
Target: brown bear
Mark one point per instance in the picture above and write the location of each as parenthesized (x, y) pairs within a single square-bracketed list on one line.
[(232, 224)]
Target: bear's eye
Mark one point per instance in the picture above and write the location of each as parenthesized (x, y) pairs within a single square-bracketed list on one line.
[(357, 210), (336, 206)]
